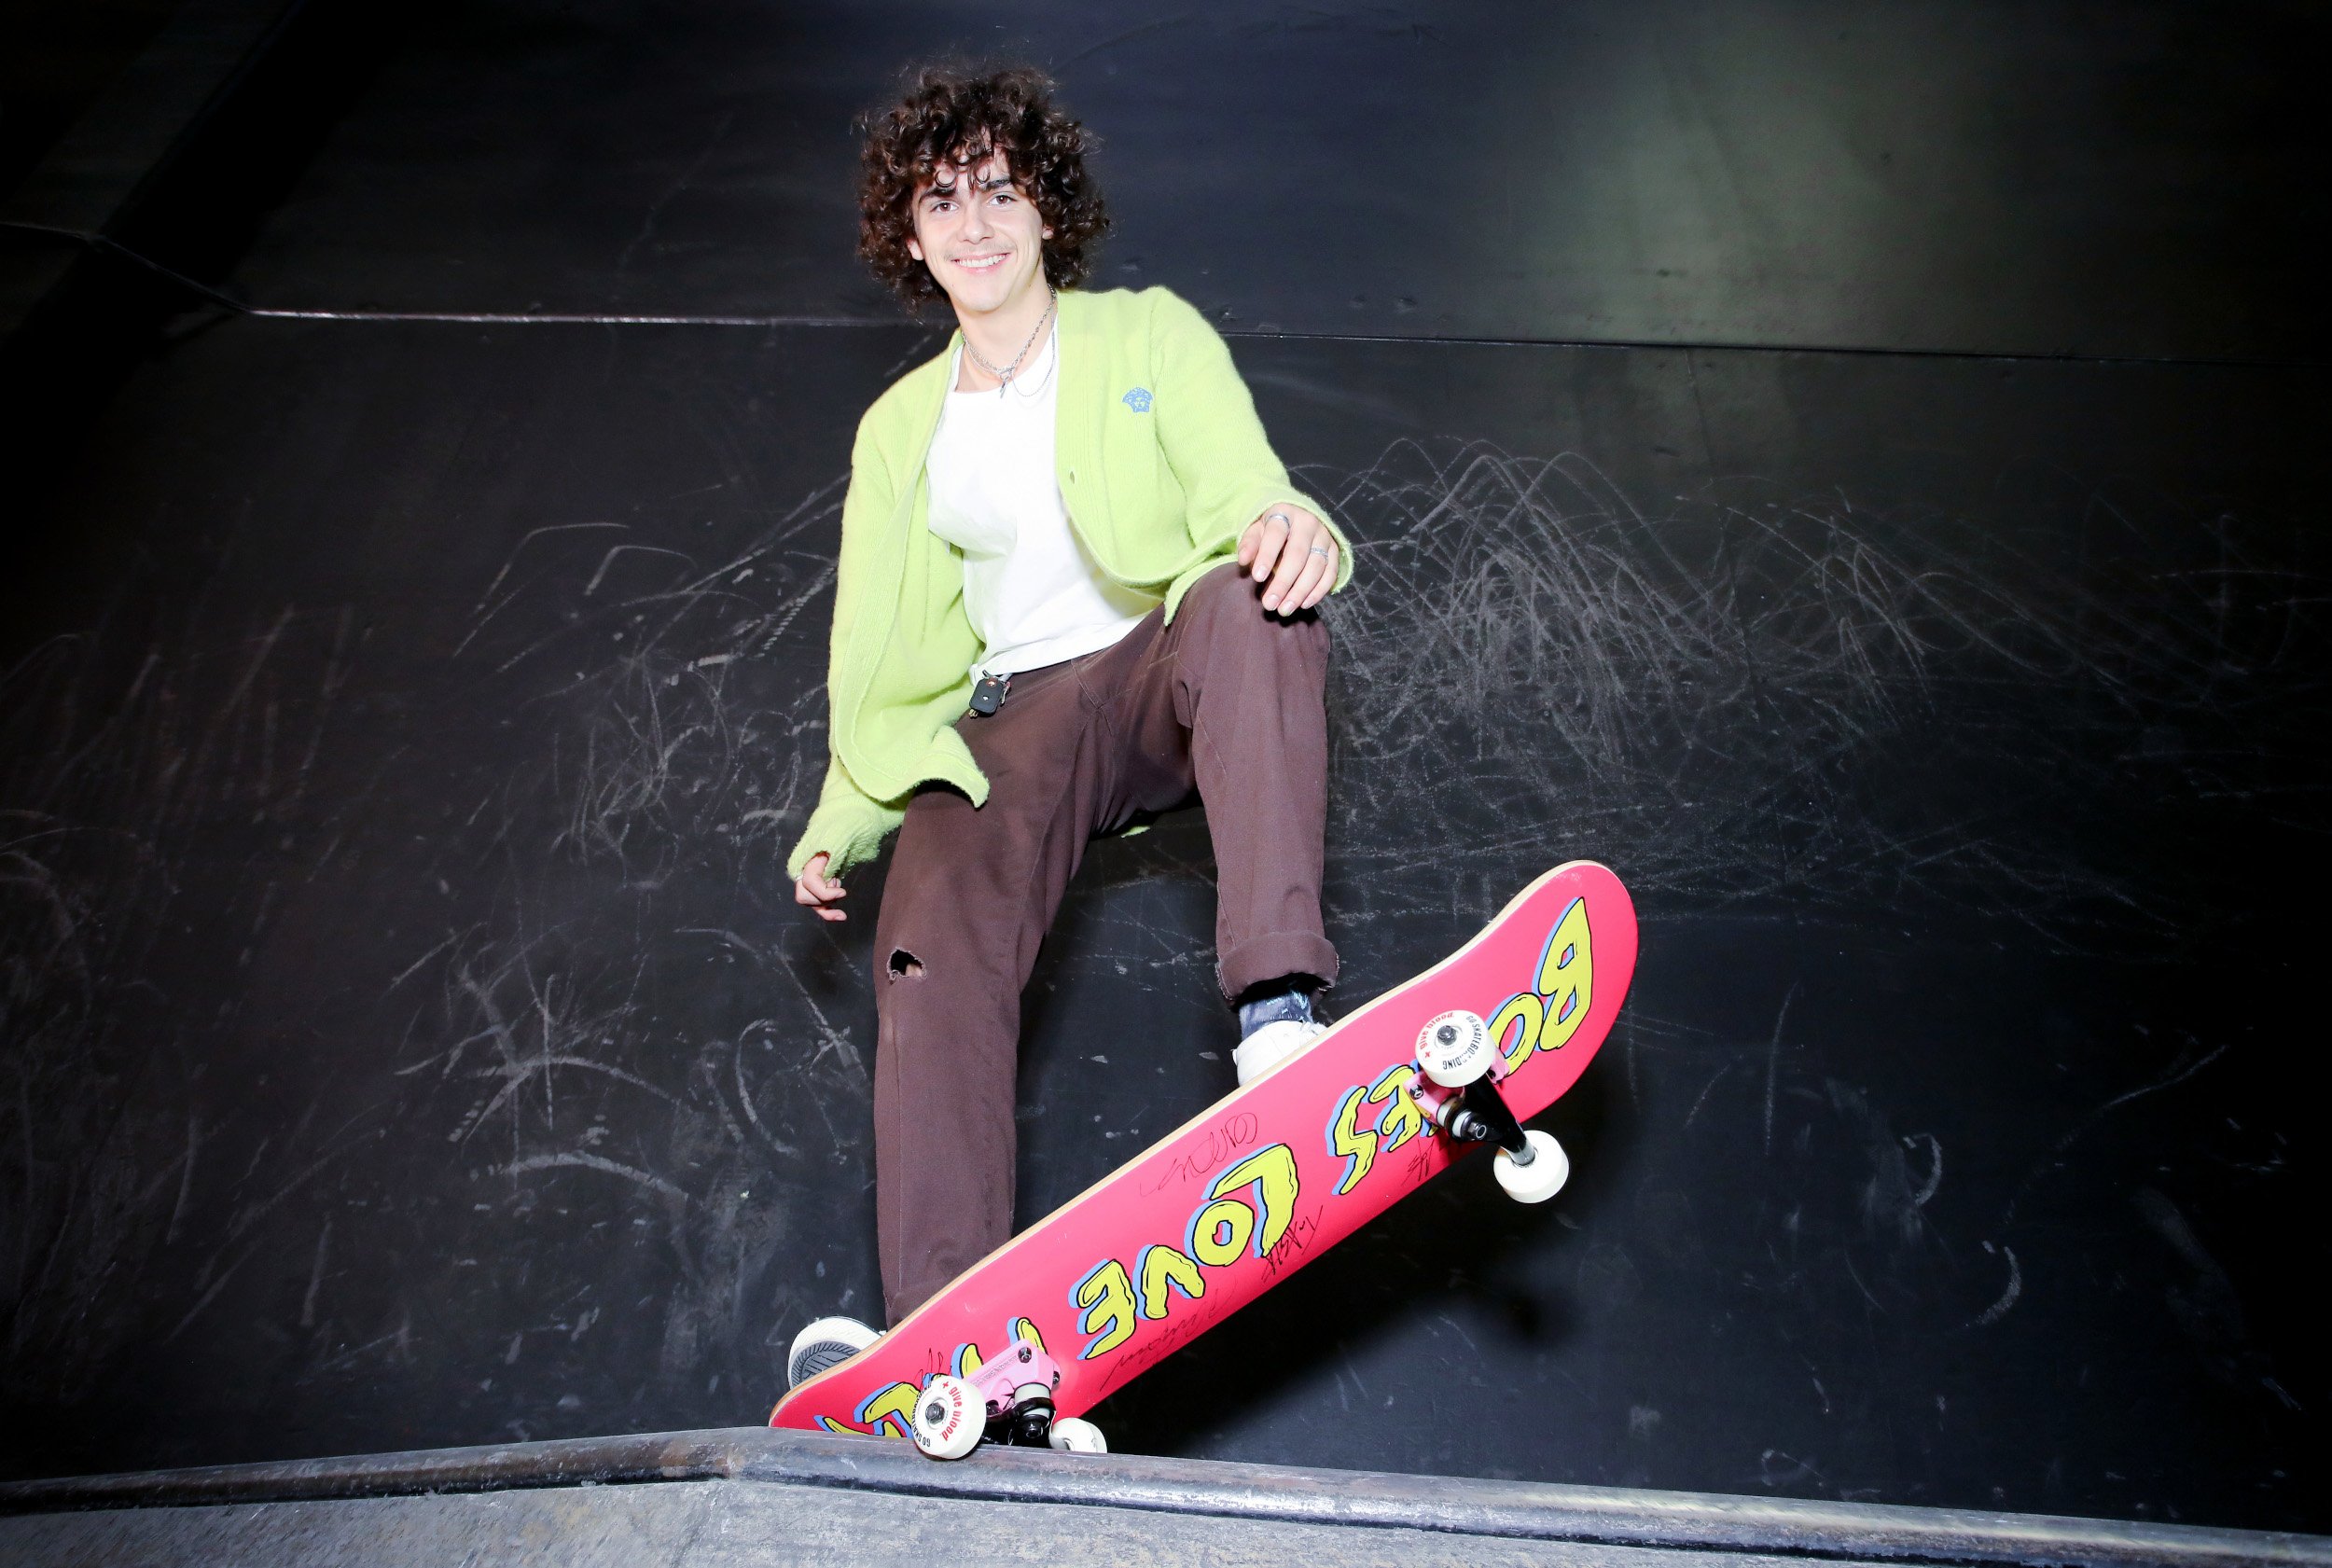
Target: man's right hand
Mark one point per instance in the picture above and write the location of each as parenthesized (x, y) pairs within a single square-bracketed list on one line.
[(817, 892)]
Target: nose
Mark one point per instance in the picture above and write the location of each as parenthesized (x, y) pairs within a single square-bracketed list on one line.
[(976, 223)]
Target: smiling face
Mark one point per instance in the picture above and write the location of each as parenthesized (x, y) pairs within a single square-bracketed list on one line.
[(980, 235)]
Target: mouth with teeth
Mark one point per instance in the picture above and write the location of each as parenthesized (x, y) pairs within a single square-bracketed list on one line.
[(982, 263)]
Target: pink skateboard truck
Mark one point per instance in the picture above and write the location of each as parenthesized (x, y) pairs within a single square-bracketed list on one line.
[(1007, 1399)]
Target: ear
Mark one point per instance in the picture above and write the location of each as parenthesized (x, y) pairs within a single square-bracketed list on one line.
[(915, 248), (1048, 233)]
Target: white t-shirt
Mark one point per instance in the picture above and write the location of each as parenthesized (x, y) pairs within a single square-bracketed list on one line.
[(1033, 594)]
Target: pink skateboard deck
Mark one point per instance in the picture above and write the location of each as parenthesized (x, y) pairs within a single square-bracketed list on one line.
[(1218, 1211)]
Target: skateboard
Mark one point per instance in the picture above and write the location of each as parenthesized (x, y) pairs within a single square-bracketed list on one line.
[(1221, 1210)]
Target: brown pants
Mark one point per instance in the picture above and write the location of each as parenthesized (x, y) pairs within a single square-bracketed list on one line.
[(1227, 699)]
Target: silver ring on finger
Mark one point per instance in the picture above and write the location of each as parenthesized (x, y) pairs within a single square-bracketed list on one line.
[(1322, 550), (1280, 517)]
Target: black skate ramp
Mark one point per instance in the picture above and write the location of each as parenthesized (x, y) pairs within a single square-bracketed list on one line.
[(751, 1495)]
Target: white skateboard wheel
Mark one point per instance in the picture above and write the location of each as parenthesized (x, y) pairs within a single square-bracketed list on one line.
[(949, 1418), (1072, 1435), (1454, 1048), (1542, 1179)]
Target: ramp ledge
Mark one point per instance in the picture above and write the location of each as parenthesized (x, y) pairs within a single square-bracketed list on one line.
[(1514, 1511)]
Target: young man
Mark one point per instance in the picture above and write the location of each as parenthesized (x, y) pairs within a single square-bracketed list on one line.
[(1074, 586)]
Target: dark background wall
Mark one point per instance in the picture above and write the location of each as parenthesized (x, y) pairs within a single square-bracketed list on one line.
[(1846, 468)]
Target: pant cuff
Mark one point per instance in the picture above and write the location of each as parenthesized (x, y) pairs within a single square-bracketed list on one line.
[(1272, 954)]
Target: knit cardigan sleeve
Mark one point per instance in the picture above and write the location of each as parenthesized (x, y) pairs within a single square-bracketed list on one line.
[(848, 825), (1213, 439)]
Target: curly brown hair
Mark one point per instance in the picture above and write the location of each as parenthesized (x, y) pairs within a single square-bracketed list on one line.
[(955, 114)]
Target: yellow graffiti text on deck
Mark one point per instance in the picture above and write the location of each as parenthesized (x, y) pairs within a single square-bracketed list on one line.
[(885, 1414), (1404, 1118), (1272, 1172), (1516, 1027), (1250, 1206), (895, 1405), (1220, 1231), (1566, 977), (1545, 1017), (1107, 1297), (1346, 1138), (1162, 1268), (1398, 1121), (1392, 1126)]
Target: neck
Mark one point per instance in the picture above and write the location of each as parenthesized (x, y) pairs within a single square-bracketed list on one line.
[(999, 335)]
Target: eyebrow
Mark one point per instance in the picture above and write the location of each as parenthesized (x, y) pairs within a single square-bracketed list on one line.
[(934, 188)]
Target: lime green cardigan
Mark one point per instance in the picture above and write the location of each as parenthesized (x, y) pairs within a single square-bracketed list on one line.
[(1162, 464)]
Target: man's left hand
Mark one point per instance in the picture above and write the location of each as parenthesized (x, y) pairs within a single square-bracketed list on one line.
[(1295, 553)]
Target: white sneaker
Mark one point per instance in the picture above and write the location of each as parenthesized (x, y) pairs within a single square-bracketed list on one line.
[(823, 1345), (1271, 1045)]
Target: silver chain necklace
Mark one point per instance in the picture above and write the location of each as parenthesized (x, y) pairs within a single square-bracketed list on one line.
[(1004, 377)]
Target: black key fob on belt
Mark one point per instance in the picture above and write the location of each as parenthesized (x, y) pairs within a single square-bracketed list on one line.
[(988, 693)]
